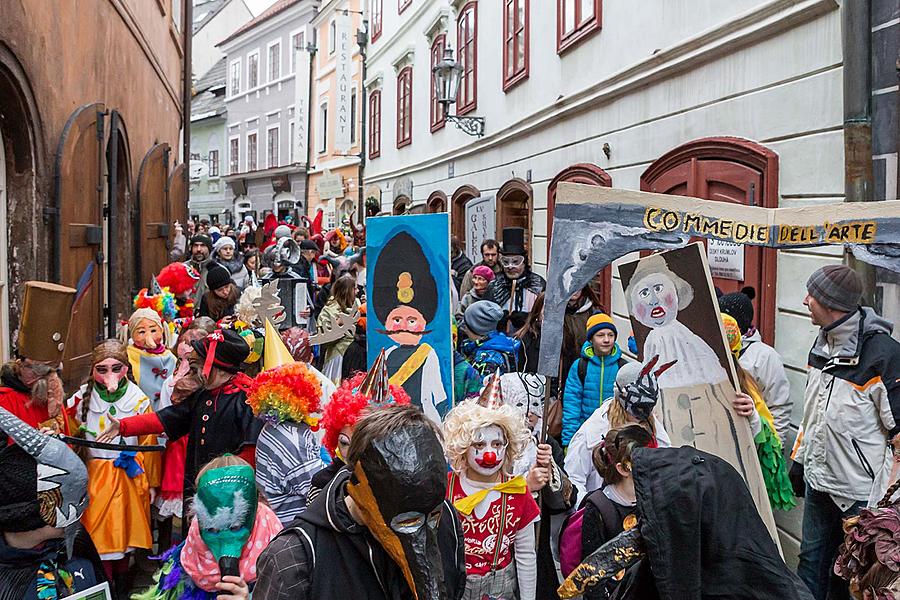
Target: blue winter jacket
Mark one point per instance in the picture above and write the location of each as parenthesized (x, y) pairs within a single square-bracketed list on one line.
[(581, 400)]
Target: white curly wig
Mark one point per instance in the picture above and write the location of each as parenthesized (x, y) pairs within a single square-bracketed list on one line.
[(467, 417)]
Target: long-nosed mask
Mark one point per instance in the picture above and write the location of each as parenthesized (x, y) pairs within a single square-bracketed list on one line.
[(399, 484), (225, 507)]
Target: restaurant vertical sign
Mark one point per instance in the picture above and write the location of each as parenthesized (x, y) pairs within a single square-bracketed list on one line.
[(343, 83)]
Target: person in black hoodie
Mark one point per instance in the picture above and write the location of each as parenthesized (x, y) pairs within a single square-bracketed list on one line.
[(380, 529)]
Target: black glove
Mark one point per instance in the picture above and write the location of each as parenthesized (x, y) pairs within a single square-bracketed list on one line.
[(796, 477)]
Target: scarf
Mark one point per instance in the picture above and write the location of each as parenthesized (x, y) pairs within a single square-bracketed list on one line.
[(20, 568), (466, 505), (200, 565)]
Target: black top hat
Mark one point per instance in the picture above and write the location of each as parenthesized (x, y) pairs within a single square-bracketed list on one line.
[(403, 278), (514, 241), (229, 349)]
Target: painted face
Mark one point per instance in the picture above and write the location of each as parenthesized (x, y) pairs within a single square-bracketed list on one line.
[(654, 300), (147, 335), (344, 439), (513, 265), (109, 373), (479, 283), (487, 452), (405, 325)]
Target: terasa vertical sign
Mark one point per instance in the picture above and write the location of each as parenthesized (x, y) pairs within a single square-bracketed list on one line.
[(343, 83), (300, 143)]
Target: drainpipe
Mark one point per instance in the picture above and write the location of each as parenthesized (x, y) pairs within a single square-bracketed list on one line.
[(858, 177), (362, 38)]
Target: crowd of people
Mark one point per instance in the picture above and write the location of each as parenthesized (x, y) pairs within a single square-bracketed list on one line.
[(253, 461)]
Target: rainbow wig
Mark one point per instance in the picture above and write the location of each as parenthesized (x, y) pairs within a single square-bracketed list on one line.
[(346, 407), (291, 392), (163, 303)]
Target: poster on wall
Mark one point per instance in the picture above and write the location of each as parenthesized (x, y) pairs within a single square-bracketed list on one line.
[(675, 319), (408, 292), (481, 224)]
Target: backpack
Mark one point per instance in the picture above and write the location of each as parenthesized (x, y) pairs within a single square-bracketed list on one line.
[(583, 365), (570, 534)]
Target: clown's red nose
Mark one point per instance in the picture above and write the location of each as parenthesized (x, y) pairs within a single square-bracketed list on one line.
[(488, 459)]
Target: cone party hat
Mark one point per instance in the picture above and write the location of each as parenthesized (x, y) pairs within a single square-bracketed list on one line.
[(275, 353), (492, 394), (376, 386)]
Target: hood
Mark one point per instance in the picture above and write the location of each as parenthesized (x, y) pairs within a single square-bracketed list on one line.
[(328, 509), (499, 342), (702, 533), (844, 338), (587, 351)]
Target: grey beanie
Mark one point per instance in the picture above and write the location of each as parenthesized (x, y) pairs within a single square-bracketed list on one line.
[(482, 317), (837, 287)]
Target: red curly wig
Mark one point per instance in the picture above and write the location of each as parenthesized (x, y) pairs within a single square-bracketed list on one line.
[(179, 278), (346, 407)]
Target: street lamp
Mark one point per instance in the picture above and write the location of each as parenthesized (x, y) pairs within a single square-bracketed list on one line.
[(447, 75)]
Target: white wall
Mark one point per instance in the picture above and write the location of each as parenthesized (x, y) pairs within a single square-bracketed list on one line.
[(204, 53)]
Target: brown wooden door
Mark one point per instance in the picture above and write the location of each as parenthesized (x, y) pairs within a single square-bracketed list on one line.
[(727, 180), (178, 197), (121, 249), (153, 207), (80, 189), (514, 209)]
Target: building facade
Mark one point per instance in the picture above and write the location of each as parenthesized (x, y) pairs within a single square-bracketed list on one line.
[(214, 20), (208, 199), (734, 101), (88, 177), (265, 173), (335, 134)]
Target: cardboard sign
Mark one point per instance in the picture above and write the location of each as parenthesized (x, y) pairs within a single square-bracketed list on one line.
[(481, 224), (726, 259), (408, 301)]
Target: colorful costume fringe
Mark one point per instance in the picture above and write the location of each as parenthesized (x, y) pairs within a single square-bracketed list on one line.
[(771, 461), (290, 392)]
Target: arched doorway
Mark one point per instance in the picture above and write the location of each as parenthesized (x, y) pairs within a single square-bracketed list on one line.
[(588, 174), (4, 283), (437, 202), (514, 209), (122, 249), (728, 169), (401, 205), (458, 210)]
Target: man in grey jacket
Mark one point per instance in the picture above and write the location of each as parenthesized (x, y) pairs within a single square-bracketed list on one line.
[(851, 413)]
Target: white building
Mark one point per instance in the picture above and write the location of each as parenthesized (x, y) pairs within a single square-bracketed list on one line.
[(214, 20), (736, 101)]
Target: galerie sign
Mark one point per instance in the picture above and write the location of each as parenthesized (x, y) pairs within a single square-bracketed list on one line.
[(481, 224)]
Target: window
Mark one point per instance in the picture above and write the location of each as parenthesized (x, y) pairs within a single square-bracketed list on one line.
[(291, 142), (297, 44), (213, 187), (353, 116), (515, 42), (438, 118), (252, 70), (272, 147), (213, 161), (234, 156), (575, 20), (376, 19), (323, 127), (467, 43), (252, 151), (274, 61), (403, 5), (332, 37), (234, 78), (404, 107), (375, 124)]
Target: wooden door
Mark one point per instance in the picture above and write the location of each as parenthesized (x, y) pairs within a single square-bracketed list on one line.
[(178, 197), (727, 178), (80, 191), (153, 210), (514, 209), (121, 246)]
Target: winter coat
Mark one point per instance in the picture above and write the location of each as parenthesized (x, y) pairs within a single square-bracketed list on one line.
[(467, 284), (493, 351), (763, 362), (327, 555), (355, 355), (467, 300), (329, 314), (582, 398), (851, 408), (459, 266), (466, 380)]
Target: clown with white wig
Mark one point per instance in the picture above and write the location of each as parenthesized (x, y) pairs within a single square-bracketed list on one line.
[(483, 440)]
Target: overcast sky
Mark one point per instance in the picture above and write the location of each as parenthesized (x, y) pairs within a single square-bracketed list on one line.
[(257, 6)]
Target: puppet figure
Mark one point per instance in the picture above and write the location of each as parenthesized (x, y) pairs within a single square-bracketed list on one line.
[(483, 440), (405, 299), (118, 516), (148, 338), (230, 530)]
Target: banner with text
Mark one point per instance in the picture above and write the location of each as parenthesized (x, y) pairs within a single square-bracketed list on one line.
[(343, 81), (481, 224)]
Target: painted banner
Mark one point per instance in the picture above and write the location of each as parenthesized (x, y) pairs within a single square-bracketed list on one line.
[(343, 82), (408, 300), (481, 224), (300, 143)]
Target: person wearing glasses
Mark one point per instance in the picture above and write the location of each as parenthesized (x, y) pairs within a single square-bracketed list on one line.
[(517, 287)]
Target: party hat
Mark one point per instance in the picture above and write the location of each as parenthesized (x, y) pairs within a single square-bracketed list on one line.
[(275, 353), (155, 288), (492, 394), (375, 385)]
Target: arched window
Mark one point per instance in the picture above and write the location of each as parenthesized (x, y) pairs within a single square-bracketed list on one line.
[(437, 202), (458, 210)]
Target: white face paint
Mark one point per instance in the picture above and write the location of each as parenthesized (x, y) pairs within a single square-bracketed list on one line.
[(485, 455), (655, 300)]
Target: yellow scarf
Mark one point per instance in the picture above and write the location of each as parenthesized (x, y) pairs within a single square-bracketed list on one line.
[(466, 505)]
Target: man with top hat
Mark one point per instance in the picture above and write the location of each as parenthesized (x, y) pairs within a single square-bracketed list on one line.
[(517, 287), (31, 387), (405, 300), (215, 417)]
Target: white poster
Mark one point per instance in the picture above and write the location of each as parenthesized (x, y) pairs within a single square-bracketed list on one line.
[(343, 82), (301, 107), (726, 259), (481, 224)]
